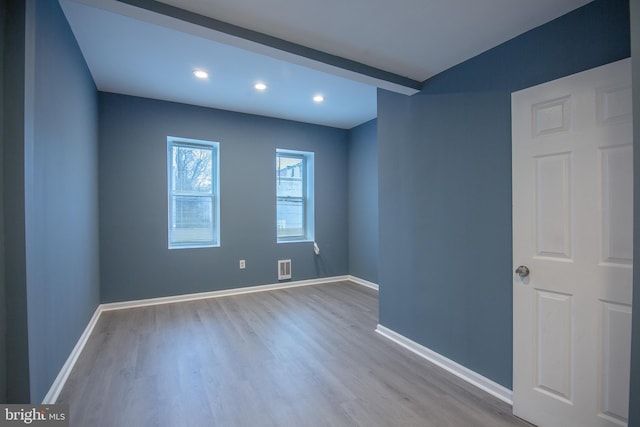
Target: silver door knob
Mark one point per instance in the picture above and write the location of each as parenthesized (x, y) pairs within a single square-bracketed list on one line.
[(522, 271)]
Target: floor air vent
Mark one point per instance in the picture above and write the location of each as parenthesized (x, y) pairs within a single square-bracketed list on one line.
[(284, 269)]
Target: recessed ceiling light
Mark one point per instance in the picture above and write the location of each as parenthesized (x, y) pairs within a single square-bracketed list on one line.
[(201, 74), (260, 86), (318, 98)]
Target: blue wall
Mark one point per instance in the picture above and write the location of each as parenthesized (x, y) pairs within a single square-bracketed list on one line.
[(3, 307), (61, 201), (135, 261), (445, 187), (50, 197), (634, 406), (17, 359), (363, 201)]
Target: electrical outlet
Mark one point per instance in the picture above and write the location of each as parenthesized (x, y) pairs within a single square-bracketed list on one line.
[(242, 264)]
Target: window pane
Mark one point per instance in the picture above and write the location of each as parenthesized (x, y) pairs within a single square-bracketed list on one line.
[(290, 193), (191, 169), (290, 218), (289, 176), (192, 220), (193, 193)]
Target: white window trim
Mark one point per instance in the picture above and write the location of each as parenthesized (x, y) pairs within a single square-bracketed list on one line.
[(215, 171), (309, 197)]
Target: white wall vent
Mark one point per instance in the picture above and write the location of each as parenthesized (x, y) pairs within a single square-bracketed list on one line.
[(284, 269)]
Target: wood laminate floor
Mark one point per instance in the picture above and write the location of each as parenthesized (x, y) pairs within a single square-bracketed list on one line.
[(304, 356)]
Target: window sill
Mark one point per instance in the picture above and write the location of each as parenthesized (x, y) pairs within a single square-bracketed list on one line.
[(193, 247)]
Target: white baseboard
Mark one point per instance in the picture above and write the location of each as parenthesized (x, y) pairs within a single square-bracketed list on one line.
[(363, 282), (455, 368), (222, 293), (63, 375)]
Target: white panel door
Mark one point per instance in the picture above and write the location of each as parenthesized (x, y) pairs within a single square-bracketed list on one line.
[(572, 233)]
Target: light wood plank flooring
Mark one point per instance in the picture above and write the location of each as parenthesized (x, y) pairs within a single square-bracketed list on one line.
[(304, 356)]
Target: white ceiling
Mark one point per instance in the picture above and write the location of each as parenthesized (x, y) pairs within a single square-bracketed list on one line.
[(152, 51), (413, 38)]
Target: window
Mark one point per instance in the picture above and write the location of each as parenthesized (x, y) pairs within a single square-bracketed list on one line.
[(294, 193), (194, 208)]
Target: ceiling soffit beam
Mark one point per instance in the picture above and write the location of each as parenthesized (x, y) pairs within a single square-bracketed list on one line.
[(263, 43)]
